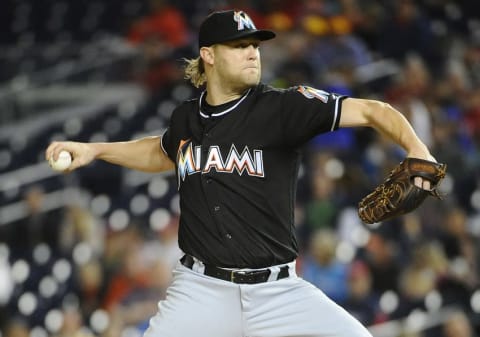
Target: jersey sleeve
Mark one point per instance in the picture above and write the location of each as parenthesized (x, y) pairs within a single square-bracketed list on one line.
[(167, 141), (307, 112), (166, 144), (177, 129)]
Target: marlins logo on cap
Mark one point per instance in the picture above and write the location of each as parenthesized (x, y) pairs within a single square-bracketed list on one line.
[(223, 26), (243, 20)]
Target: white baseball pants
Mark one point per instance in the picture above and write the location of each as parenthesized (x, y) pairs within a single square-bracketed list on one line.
[(197, 305)]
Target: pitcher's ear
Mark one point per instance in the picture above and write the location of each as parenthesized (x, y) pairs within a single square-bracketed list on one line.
[(206, 53)]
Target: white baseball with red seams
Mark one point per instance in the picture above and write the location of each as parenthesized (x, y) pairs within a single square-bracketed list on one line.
[(62, 163)]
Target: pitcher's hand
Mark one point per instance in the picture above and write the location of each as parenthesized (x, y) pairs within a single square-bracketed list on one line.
[(82, 153)]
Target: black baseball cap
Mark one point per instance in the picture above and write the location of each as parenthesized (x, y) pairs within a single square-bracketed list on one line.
[(223, 26)]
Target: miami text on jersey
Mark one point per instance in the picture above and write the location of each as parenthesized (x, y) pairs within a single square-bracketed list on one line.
[(189, 161)]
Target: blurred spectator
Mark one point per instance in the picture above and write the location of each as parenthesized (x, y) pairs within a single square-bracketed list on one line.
[(452, 144), (164, 244), (410, 94), (136, 284), (404, 31), (164, 23), (321, 210), (295, 68), (39, 225), (158, 36), (460, 246), (334, 51), (81, 226), (472, 114), (90, 286), (462, 253), (280, 15), (458, 325), (17, 328), (365, 16), (362, 301), (130, 274), (72, 324), (322, 268), (412, 233), (381, 258), (471, 59), (427, 266), (141, 304)]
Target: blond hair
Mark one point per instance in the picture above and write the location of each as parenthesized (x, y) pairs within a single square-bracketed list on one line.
[(195, 71)]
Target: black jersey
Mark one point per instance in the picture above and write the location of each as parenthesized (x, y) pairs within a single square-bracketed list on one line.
[(237, 169)]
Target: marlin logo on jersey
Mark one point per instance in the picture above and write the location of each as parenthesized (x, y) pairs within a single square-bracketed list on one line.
[(310, 93), (243, 20), (189, 161)]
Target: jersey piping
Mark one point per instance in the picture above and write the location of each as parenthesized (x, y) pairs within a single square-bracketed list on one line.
[(222, 112), (335, 116), (161, 145)]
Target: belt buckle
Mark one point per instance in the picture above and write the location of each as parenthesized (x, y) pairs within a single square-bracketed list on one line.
[(233, 272)]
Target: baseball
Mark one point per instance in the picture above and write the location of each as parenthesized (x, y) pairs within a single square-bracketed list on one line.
[(62, 163)]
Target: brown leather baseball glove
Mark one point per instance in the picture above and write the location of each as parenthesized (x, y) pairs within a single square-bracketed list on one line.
[(398, 194)]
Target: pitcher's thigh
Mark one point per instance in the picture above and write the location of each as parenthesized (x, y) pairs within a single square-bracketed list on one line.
[(194, 306), (300, 310), (330, 319)]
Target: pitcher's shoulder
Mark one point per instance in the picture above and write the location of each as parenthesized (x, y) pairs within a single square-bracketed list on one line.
[(185, 107)]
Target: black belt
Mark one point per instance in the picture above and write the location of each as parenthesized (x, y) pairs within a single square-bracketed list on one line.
[(236, 276)]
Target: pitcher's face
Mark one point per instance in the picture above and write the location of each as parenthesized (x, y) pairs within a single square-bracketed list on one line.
[(237, 63)]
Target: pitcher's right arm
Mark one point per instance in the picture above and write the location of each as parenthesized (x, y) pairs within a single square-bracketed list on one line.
[(144, 154)]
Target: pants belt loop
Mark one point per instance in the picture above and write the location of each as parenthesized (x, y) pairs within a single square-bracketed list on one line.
[(274, 273), (198, 266)]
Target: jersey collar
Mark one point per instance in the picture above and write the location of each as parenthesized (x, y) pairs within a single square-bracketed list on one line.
[(221, 113)]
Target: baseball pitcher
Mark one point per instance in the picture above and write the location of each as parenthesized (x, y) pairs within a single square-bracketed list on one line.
[(236, 151)]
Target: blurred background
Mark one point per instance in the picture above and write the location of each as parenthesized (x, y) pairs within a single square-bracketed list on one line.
[(90, 253)]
